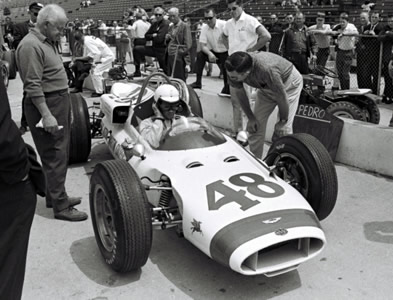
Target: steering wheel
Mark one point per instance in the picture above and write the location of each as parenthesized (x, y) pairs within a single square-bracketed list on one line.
[(146, 82), (325, 71)]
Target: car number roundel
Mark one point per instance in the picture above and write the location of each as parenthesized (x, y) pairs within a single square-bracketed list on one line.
[(249, 182)]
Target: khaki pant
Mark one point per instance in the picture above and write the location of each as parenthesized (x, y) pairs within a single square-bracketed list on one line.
[(265, 104)]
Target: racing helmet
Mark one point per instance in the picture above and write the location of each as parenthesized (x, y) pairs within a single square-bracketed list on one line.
[(167, 93)]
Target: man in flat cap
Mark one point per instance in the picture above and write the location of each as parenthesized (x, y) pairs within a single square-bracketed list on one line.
[(20, 31)]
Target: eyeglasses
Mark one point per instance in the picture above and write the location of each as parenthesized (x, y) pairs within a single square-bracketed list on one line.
[(60, 29), (209, 18), (158, 15), (234, 8)]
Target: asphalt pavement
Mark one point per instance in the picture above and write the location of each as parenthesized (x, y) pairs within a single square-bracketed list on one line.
[(64, 261)]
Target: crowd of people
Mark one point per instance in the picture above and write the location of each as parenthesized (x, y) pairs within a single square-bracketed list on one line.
[(265, 60)]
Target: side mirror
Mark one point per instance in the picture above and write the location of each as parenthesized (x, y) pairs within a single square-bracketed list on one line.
[(242, 138), (139, 151), (131, 149)]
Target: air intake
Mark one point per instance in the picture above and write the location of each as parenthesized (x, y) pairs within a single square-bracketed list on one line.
[(194, 164), (231, 159)]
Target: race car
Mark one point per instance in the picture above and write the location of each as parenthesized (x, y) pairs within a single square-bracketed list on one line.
[(253, 216)]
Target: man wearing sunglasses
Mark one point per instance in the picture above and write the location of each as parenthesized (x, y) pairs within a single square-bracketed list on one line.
[(20, 31), (155, 43), (242, 33), (213, 49)]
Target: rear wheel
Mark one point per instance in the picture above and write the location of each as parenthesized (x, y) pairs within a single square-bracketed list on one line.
[(302, 161), (372, 112), (121, 215), (9, 56), (80, 140), (195, 102), (345, 109)]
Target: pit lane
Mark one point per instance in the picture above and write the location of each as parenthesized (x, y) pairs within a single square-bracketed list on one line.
[(64, 261)]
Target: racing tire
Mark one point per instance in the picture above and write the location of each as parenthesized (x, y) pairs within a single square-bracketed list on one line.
[(9, 56), (310, 169), (121, 215), (347, 110), (195, 102), (372, 112), (80, 137), (4, 73)]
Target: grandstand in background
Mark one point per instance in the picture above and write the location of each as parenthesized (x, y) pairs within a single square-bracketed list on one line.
[(110, 10)]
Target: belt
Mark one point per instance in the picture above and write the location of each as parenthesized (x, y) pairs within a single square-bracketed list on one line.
[(48, 94), (344, 50)]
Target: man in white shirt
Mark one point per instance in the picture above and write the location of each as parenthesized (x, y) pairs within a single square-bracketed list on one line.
[(346, 39), (101, 56), (213, 49), (242, 33), (320, 31)]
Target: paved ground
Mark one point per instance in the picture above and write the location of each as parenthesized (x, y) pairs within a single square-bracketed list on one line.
[(64, 261)]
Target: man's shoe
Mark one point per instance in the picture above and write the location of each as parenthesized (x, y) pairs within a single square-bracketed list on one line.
[(73, 201), (225, 93), (209, 73), (137, 74), (196, 85), (94, 95), (76, 91), (71, 214), (22, 129)]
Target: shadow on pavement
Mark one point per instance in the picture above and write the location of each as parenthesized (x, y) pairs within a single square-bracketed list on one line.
[(89, 260), (202, 278), (381, 232)]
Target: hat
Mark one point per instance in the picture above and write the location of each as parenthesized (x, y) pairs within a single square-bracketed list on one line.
[(321, 14), (35, 5)]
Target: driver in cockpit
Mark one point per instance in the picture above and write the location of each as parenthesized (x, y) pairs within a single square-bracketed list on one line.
[(167, 106)]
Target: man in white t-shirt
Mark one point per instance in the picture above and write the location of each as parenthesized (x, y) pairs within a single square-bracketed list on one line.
[(322, 39), (213, 49), (242, 33)]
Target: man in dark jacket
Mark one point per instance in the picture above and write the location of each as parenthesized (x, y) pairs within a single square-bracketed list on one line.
[(155, 43), (20, 30), (275, 29), (17, 203), (179, 43), (386, 36), (298, 45)]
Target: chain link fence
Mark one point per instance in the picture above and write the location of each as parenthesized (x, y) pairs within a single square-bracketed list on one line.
[(363, 67)]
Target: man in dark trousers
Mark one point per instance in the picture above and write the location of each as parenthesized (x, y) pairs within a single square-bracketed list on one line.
[(386, 36), (17, 203), (213, 49), (298, 45), (47, 106), (155, 43), (20, 30)]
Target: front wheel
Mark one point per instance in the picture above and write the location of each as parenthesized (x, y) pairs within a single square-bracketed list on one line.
[(302, 161), (121, 215), (347, 110)]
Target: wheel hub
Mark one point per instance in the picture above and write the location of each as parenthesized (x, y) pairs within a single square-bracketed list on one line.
[(105, 219), (291, 170)]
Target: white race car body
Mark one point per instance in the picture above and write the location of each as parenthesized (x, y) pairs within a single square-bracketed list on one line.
[(233, 207)]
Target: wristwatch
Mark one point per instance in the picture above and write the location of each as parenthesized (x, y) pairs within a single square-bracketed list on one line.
[(284, 121)]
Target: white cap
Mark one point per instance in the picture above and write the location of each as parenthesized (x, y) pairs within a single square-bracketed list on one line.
[(167, 93)]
